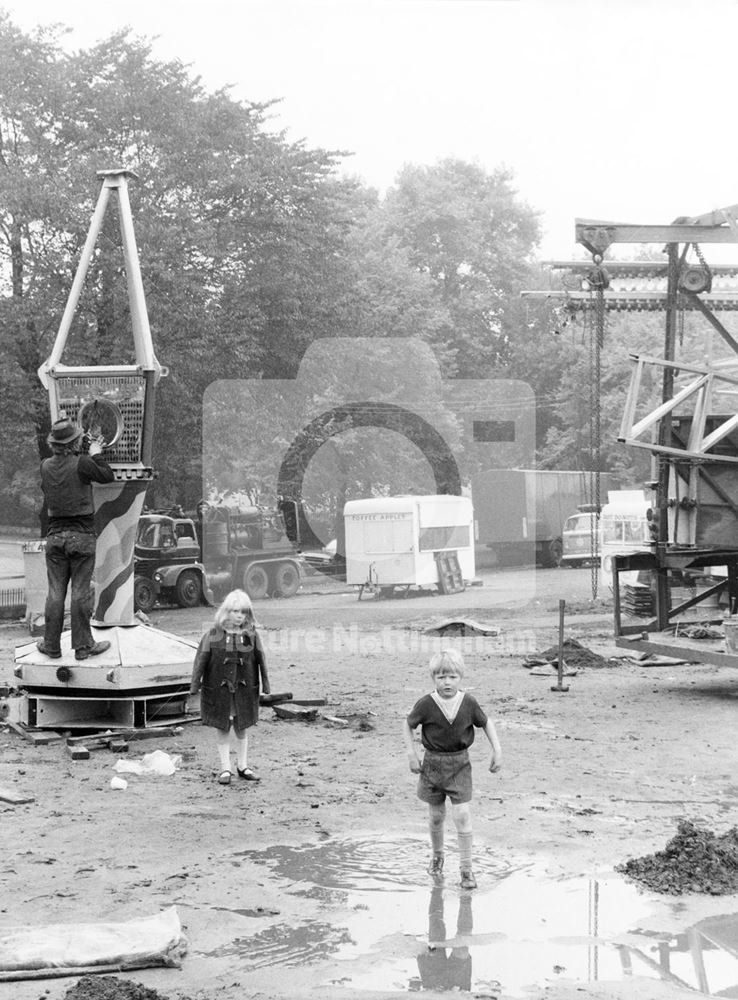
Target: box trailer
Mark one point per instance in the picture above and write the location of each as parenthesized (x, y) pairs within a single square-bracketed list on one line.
[(410, 541), (520, 513)]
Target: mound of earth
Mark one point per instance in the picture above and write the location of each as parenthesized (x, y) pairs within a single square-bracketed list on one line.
[(576, 655), (111, 988), (695, 860)]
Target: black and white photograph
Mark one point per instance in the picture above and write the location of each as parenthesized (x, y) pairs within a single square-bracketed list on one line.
[(368, 500)]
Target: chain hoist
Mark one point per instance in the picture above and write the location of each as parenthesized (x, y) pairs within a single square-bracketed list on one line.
[(597, 281)]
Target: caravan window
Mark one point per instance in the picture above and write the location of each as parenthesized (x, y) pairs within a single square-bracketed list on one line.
[(386, 535), (452, 536)]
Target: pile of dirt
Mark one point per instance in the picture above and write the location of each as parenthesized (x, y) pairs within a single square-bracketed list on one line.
[(576, 655), (111, 988), (694, 860)]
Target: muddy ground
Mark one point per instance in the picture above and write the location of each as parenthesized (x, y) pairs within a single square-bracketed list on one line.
[(591, 777)]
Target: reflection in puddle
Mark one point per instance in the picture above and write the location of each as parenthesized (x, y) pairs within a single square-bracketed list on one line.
[(520, 930), (285, 946), (704, 957)]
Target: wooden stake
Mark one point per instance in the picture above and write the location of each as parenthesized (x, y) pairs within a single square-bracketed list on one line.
[(559, 686)]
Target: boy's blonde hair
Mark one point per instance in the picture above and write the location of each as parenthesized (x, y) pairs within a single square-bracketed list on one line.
[(237, 600), (446, 658)]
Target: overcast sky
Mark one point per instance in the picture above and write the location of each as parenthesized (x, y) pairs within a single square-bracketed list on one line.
[(606, 110)]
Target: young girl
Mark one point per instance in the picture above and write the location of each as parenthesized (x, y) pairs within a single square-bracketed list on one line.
[(229, 664), (447, 718)]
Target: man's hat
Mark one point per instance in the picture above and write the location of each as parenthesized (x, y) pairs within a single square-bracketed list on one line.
[(63, 432)]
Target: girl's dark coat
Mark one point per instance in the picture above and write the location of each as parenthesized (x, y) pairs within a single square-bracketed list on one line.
[(229, 679)]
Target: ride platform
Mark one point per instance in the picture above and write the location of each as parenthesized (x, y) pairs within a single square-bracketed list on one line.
[(144, 675)]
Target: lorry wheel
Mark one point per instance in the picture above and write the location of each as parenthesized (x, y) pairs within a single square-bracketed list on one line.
[(552, 554), (189, 589), (144, 595), (255, 582), (286, 580)]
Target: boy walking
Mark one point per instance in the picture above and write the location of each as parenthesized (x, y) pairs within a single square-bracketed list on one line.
[(447, 718)]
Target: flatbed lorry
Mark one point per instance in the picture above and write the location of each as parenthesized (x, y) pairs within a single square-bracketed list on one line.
[(190, 559)]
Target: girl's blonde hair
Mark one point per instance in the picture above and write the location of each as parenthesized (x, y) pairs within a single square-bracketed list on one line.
[(447, 658), (237, 600)]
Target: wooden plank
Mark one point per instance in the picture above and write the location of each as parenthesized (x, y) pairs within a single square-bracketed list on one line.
[(292, 713), (682, 649), (275, 699), (38, 738), (123, 734), (15, 798), (335, 720), (78, 752)]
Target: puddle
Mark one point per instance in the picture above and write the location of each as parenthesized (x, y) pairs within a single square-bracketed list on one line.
[(366, 864), (385, 927)]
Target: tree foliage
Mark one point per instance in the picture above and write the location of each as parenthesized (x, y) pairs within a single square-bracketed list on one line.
[(240, 232), (253, 249), (470, 233)]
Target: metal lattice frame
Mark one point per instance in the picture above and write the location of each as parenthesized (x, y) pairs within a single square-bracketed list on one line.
[(129, 389)]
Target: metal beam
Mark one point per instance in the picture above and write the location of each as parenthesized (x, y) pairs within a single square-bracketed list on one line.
[(619, 268), (713, 320), (650, 300), (597, 236)]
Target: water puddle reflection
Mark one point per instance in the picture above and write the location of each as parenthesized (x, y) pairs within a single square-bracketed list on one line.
[(384, 926)]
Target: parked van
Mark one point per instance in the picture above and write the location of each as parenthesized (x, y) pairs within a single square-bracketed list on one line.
[(624, 528), (581, 539)]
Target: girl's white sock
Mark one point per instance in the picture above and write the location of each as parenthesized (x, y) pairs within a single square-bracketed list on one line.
[(242, 752), (224, 750)]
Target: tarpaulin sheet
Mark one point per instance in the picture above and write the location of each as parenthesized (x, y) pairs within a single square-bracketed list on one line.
[(134, 944)]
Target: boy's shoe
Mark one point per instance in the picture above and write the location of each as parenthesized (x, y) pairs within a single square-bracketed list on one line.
[(224, 778), (247, 774), (435, 868), (94, 650), (467, 880)]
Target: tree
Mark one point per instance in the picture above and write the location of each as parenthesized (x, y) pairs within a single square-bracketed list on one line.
[(467, 230), (238, 230)]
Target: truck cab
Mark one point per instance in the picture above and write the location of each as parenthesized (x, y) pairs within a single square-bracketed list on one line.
[(167, 562)]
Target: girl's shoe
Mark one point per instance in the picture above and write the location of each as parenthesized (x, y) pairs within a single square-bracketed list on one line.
[(224, 778), (247, 774)]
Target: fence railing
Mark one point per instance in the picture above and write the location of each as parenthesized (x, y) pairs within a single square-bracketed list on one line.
[(12, 596)]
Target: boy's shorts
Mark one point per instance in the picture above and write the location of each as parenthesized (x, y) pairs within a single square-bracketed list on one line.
[(445, 774)]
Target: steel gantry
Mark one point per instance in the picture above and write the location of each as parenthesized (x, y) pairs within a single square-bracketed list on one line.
[(694, 551)]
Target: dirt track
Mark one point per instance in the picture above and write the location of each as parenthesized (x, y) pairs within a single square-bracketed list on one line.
[(590, 777)]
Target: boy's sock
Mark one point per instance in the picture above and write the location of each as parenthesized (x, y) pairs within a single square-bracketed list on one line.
[(436, 839), (466, 841)]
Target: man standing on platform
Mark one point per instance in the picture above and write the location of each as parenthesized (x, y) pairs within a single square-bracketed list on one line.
[(66, 480)]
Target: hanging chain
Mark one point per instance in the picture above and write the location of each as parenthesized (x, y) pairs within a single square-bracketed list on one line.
[(700, 257), (598, 280), (596, 373)]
